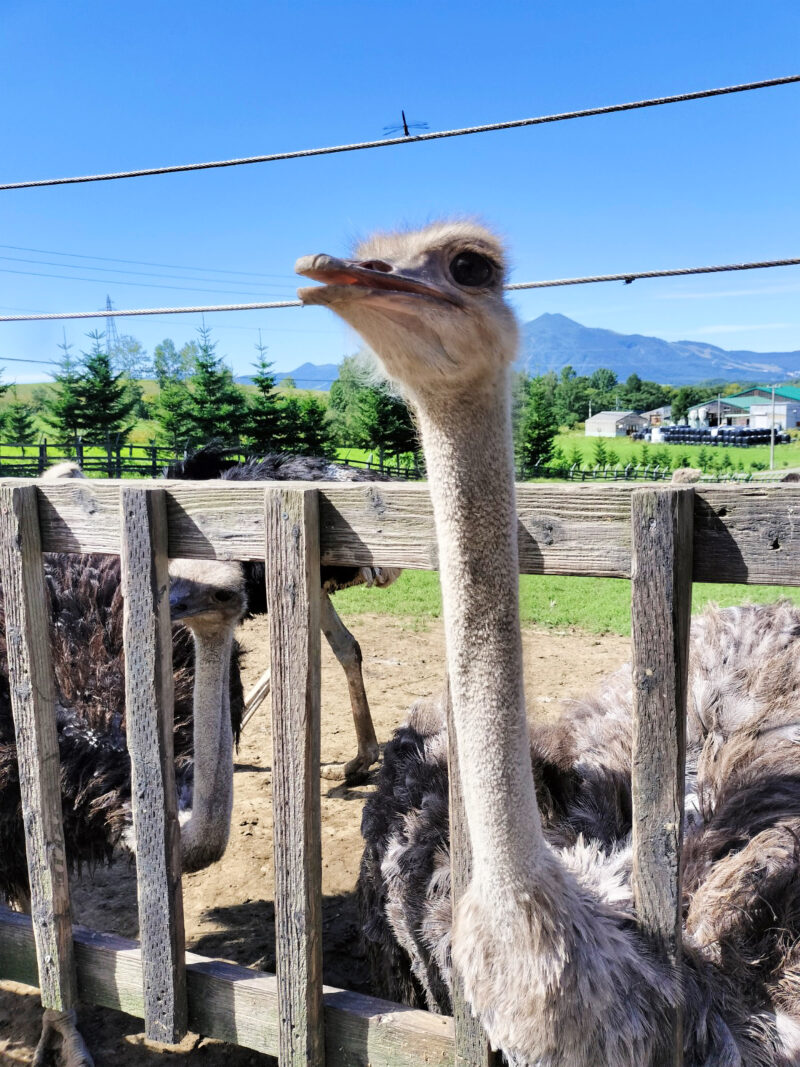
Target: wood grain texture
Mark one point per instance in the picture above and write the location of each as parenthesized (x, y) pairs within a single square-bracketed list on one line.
[(747, 534), (237, 1004), (661, 521), (472, 1047), (149, 702), (293, 602), (32, 690)]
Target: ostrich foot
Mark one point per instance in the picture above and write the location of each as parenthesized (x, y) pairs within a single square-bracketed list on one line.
[(59, 1028), (354, 772)]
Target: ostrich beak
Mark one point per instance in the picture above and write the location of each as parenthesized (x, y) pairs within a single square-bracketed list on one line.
[(345, 279)]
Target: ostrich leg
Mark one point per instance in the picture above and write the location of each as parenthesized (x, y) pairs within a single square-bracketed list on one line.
[(348, 652), (59, 1028)]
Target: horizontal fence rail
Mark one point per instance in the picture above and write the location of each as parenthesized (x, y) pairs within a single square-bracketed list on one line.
[(742, 533)]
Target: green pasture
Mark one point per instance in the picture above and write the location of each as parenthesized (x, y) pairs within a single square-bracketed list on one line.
[(630, 451), (598, 605)]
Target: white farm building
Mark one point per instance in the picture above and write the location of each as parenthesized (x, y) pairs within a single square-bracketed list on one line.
[(615, 424)]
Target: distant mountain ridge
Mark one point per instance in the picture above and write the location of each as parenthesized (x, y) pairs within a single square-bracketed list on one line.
[(306, 376), (552, 341)]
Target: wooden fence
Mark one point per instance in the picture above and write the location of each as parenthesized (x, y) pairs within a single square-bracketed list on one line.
[(660, 538)]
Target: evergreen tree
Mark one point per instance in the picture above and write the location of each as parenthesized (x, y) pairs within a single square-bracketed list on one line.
[(218, 406), (315, 434), (19, 421), (290, 426), (382, 421), (264, 415), (106, 403), (172, 410), (538, 425), (61, 408)]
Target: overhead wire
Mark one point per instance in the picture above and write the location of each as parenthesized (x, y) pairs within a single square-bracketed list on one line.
[(358, 146), (628, 277)]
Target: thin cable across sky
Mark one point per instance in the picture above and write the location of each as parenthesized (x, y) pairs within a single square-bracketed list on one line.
[(464, 131), (627, 277)]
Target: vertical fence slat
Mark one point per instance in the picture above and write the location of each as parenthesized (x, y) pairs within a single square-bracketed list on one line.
[(661, 582), (149, 702), (471, 1044), (33, 705), (293, 599)]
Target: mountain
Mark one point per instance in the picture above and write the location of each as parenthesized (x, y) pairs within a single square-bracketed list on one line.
[(306, 376), (553, 341)]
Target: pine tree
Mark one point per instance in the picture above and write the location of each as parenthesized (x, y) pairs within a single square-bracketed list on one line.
[(538, 425), (315, 435), (382, 420), (218, 407), (172, 411), (106, 403), (62, 410), (264, 416), (19, 421), (290, 427)]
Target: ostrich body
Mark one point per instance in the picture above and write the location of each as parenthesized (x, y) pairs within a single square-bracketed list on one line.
[(211, 463), (85, 603), (545, 938)]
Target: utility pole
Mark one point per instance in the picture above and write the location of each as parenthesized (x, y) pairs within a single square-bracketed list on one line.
[(772, 435)]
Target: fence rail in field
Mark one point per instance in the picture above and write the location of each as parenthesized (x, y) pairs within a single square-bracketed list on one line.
[(661, 538)]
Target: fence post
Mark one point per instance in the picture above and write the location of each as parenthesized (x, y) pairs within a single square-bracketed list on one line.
[(153, 461), (471, 1044), (109, 457), (293, 599), (661, 599), (42, 464), (149, 699), (79, 451), (32, 692)]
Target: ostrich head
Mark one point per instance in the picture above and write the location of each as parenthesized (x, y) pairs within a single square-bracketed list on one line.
[(436, 293), (206, 594)]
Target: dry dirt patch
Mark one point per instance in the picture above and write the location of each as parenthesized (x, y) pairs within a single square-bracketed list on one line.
[(228, 908)]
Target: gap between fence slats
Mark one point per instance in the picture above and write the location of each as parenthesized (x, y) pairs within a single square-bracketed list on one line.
[(661, 614), (747, 534), (32, 689), (471, 1044), (237, 1004), (149, 703), (291, 522)]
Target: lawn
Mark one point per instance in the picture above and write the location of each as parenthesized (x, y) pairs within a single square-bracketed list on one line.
[(598, 605), (629, 451)]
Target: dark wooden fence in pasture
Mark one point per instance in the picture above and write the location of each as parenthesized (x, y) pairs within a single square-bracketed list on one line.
[(660, 538), (112, 460)]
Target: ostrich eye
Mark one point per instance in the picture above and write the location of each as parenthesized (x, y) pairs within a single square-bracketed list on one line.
[(222, 595), (470, 268)]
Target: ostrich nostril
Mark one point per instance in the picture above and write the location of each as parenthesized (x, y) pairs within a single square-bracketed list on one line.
[(377, 264)]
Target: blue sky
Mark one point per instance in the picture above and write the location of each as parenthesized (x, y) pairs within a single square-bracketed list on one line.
[(94, 87)]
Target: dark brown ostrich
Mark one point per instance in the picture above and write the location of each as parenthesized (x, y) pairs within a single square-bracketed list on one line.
[(213, 462)]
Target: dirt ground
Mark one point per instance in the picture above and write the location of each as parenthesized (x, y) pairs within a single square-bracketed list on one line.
[(228, 908)]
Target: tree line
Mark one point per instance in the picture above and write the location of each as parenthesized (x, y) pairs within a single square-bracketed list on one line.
[(98, 396)]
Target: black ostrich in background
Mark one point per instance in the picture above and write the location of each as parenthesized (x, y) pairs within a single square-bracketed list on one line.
[(213, 462)]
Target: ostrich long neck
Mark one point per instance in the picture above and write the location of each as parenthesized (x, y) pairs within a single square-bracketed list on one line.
[(206, 834), (468, 450)]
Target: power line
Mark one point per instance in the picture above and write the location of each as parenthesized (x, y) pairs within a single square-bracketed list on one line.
[(138, 262), (387, 142), (627, 277), (118, 281)]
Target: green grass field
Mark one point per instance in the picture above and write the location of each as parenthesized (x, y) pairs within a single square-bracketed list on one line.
[(598, 605), (630, 451)]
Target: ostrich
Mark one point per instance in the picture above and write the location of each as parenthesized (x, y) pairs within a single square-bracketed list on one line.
[(85, 603), (545, 938), (210, 462)]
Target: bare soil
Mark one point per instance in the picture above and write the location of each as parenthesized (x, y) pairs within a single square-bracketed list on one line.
[(228, 908)]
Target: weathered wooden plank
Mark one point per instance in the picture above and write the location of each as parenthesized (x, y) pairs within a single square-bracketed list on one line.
[(471, 1045), (747, 534), (661, 587), (293, 601), (32, 689), (149, 702), (238, 1004)]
